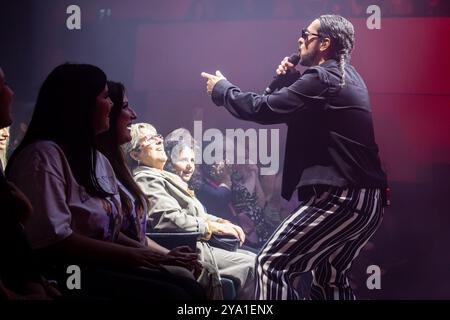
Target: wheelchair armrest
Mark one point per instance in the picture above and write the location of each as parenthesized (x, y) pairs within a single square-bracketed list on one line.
[(172, 240)]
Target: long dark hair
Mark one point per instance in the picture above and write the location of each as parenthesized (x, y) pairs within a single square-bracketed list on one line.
[(63, 114), (342, 35), (108, 144)]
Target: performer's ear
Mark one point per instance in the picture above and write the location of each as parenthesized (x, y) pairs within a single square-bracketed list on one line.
[(325, 44)]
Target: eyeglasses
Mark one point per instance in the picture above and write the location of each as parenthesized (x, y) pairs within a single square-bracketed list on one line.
[(306, 34), (148, 140), (152, 137)]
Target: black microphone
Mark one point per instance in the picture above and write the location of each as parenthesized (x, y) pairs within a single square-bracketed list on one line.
[(279, 80)]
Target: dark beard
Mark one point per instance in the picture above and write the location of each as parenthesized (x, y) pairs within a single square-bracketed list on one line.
[(308, 60)]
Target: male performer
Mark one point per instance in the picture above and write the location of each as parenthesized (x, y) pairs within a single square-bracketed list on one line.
[(331, 158)]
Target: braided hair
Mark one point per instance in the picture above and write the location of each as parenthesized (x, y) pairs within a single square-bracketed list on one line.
[(342, 35)]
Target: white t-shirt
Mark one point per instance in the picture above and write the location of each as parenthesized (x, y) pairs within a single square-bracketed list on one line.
[(61, 206)]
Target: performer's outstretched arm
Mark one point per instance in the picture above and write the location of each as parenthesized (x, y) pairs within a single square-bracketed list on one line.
[(266, 109)]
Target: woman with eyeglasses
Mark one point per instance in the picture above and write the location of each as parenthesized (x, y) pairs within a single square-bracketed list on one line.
[(174, 208)]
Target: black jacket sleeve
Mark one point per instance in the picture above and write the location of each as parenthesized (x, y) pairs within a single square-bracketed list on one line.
[(274, 108)]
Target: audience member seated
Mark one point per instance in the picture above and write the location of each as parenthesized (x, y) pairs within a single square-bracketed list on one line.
[(19, 276), (133, 201), (249, 200), (211, 183), (173, 207), (4, 142), (74, 193), (212, 187)]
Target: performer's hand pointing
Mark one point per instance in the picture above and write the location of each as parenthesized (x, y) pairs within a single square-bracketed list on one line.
[(212, 80)]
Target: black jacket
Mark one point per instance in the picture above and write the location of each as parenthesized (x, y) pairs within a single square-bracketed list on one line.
[(330, 137)]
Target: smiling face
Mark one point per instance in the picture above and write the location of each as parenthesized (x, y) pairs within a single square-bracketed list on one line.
[(4, 137), (151, 149), (124, 122), (183, 163)]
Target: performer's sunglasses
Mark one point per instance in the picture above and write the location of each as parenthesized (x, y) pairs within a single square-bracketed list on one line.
[(306, 34)]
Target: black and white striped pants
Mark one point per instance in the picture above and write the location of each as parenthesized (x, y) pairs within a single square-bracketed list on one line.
[(325, 234)]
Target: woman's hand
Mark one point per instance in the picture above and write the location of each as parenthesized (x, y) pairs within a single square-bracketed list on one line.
[(228, 229), (183, 253), (240, 232), (143, 257)]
